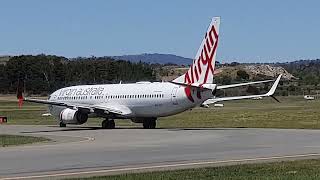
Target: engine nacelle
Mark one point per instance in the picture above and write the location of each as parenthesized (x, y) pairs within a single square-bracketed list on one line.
[(138, 120), (70, 116)]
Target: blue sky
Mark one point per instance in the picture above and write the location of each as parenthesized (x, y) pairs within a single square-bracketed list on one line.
[(250, 31)]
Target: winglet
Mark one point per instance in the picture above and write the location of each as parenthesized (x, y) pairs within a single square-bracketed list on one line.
[(274, 86)]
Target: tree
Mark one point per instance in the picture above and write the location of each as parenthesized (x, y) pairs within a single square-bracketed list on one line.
[(45, 74), (243, 75), (253, 90)]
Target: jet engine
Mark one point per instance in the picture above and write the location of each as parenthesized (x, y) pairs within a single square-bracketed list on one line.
[(138, 120), (70, 116)]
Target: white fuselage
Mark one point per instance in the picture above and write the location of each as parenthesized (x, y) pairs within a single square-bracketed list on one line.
[(144, 99)]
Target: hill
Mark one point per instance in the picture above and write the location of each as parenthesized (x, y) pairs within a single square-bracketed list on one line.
[(238, 73), (156, 59), (269, 71)]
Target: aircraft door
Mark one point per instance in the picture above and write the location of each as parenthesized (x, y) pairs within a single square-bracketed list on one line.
[(174, 96), (106, 98)]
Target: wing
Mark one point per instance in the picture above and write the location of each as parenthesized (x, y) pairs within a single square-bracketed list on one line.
[(114, 109), (98, 108), (214, 86), (269, 94), (242, 84)]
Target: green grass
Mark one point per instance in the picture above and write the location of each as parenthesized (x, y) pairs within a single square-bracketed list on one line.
[(30, 113), (292, 170), (14, 140), (292, 112)]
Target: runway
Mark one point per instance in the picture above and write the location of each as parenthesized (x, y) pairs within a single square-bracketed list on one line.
[(86, 151)]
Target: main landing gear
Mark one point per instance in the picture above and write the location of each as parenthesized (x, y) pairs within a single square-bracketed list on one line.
[(108, 124), (61, 124), (150, 123)]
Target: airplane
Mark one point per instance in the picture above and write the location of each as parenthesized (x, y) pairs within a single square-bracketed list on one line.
[(144, 102)]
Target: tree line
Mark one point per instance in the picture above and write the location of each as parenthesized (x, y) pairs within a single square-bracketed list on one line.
[(43, 74), (307, 71)]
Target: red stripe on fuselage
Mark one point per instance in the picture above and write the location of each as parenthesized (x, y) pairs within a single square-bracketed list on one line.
[(187, 91)]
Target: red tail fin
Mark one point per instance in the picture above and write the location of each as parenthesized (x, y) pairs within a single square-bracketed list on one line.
[(202, 69), (20, 93)]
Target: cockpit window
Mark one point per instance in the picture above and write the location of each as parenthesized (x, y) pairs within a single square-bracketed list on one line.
[(49, 97)]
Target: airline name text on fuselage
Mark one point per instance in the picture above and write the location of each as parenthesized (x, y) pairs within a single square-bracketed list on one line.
[(82, 91)]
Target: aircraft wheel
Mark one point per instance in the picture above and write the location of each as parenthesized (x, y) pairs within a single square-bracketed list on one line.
[(112, 124), (61, 124), (145, 124), (104, 124), (108, 124), (153, 124), (149, 124)]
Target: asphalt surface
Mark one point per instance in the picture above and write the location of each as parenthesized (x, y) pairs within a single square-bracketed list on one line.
[(86, 151)]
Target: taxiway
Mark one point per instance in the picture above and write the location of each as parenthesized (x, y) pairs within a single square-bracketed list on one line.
[(87, 151)]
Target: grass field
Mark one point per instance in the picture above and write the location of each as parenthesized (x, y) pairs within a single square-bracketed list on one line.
[(295, 170), (292, 112), (13, 140)]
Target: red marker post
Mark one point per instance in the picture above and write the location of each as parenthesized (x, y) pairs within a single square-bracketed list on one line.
[(3, 119)]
